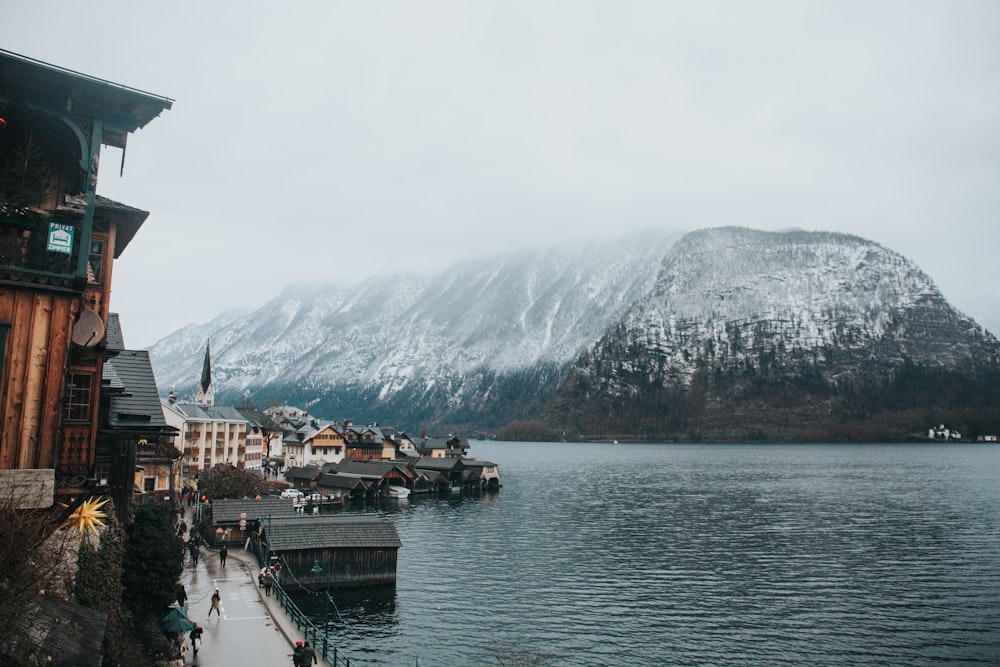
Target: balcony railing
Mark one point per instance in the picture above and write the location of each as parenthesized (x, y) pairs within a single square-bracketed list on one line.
[(39, 248)]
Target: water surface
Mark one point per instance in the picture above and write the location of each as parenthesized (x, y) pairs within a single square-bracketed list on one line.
[(595, 554)]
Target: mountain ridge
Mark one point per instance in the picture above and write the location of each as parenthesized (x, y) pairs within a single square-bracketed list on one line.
[(559, 339), (502, 313), (738, 314)]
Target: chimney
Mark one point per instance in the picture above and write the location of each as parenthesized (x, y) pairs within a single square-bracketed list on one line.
[(172, 397)]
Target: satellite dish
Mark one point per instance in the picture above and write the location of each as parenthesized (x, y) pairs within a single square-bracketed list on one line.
[(89, 329)]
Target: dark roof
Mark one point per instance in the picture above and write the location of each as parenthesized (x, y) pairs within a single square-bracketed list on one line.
[(477, 463), (307, 473), (451, 443), (69, 634), (115, 339), (110, 382), (335, 481), (449, 463), (127, 220), (228, 511), (258, 417), (124, 109), (331, 532), (206, 369), (369, 468), (431, 443), (139, 404), (195, 412), (432, 476)]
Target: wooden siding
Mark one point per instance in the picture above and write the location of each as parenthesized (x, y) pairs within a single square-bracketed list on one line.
[(34, 364), (348, 567), (359, 551)]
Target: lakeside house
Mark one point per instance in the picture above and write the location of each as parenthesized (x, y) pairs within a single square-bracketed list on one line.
[(355, 550), (340, 551), (233, 521), (942, 432), (372, 479)]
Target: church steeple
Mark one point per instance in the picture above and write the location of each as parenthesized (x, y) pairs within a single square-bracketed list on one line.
[(206, 394)]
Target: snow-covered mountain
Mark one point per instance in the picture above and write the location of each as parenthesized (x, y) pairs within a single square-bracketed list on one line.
[(739, 317), (402, 338), (720, 333)]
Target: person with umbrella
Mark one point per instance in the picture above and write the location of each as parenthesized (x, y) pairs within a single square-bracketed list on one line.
[(176, 621)]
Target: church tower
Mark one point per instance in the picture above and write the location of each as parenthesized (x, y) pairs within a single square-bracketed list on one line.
[(206, 394)]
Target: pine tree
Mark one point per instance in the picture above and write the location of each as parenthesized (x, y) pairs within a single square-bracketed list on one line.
[(24, 175), (153, 560), (99, 584)]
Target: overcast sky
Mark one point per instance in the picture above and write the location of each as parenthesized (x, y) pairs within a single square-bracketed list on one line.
[(325, 141)]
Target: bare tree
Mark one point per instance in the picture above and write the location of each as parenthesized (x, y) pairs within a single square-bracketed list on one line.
[(33, 551)]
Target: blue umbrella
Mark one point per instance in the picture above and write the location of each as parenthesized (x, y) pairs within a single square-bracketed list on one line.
[(177, 621)]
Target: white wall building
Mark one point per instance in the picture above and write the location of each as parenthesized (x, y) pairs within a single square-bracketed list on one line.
[(210, 435)]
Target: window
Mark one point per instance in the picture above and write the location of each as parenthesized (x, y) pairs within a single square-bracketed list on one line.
[(103, 474), (78, 397), (96, 260)]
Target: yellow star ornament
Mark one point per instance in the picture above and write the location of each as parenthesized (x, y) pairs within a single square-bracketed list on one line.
[(87, 515)]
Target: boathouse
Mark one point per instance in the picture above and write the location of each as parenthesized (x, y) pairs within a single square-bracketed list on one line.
[(379, 473), (345, 486), (450, 467), (303, 477), (233, 521), (484, 474), (342, 551)]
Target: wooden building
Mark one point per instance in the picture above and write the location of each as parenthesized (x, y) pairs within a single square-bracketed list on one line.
[(342, 551), (345, 487), (449, 467), (233, 521), (58, 240), (380, 473), (482, 474), (134, 456)]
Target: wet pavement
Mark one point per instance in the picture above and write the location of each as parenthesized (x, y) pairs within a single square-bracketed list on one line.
[(252, 630)]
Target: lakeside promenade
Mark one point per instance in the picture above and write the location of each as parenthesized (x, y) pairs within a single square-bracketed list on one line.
[(252, 630)]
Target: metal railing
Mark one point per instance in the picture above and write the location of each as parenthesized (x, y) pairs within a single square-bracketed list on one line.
[(316, 635)]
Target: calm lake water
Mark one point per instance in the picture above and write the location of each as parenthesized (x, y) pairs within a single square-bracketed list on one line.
[(595, 554)]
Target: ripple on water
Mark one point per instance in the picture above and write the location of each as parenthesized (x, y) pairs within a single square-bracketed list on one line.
[(708, 555)]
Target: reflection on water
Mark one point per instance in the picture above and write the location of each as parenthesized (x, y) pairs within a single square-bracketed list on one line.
[(696, 555), (354, 614)]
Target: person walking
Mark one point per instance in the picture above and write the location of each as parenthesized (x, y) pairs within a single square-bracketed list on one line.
[(307, 657), (216, 604), (268, 582), (182, 595), (193, 548), (223, 552), (195, 637)]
